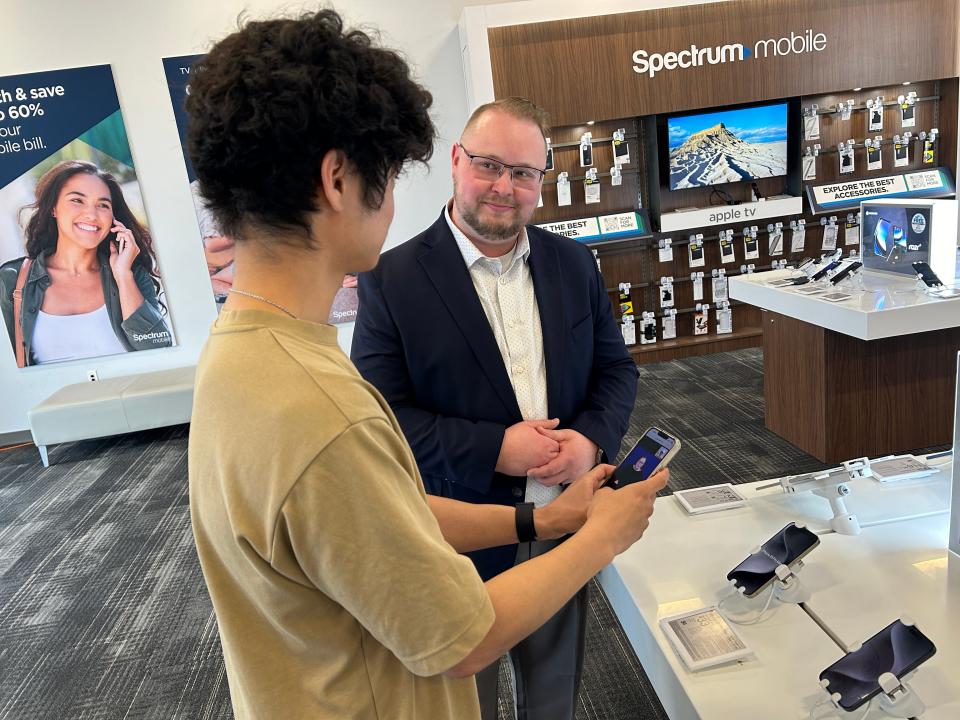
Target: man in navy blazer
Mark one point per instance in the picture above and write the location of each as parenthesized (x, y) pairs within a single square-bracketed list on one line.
[(495, 344)]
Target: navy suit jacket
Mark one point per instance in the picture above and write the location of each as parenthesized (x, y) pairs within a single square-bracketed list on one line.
[(422, 339)]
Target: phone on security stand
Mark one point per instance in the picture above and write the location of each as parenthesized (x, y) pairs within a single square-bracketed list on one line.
[(898, 649), (787, 547)]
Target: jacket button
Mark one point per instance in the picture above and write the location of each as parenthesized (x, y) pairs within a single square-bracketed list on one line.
[(518, 492)]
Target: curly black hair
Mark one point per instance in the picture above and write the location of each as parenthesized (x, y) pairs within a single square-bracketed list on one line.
[(269, 101)]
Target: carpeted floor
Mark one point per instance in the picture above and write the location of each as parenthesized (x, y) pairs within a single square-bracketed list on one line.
[(103, 611)]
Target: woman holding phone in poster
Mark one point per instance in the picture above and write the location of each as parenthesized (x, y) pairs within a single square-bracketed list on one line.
[(88, 285)]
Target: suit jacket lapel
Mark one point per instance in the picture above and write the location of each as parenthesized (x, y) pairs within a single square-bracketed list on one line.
[(547, 283), (444, 265)]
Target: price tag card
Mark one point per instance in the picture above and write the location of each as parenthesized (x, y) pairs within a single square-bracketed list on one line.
[(710, 499), (703, 638)]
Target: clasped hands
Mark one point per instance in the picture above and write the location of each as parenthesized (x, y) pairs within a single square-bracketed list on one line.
[(535, 448)]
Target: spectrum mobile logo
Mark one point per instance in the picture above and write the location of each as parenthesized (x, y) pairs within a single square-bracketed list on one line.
[(645, 63)]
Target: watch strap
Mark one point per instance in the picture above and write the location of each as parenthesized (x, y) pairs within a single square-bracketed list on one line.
[(526, 530)]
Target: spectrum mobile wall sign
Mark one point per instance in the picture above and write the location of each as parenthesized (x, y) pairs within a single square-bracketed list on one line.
[(650, 64)]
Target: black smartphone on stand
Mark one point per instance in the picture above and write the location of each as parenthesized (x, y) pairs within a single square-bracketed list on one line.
[(787, 547), (926, 274), (898, 649), (850, 269), (653, 451), (822, 272)]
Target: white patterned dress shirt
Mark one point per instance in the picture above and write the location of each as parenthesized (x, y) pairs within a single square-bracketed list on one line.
[(505, 288)]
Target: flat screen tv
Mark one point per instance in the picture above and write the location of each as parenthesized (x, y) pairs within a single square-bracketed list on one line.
[(727, 146)]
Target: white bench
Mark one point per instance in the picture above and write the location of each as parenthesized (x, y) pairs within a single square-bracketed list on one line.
[(113, 406)]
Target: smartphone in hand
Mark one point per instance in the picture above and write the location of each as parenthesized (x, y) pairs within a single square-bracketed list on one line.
[(653, 451)]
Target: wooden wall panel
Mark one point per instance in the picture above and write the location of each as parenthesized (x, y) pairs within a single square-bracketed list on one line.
[(883, 42)]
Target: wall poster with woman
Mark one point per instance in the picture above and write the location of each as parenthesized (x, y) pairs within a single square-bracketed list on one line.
[(217, 247), (79, 276)]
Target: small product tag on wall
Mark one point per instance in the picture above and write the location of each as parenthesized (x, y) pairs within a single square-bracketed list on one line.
[(811, 124), (669, 323), (701, 320), (829, 236), (666, 250), (695, 251), (591, 187), (563, 190), (697, 279), (719, 288), (799, 237), (724, 319)]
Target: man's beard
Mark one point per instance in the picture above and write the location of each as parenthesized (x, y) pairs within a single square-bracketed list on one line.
[(491, 232)]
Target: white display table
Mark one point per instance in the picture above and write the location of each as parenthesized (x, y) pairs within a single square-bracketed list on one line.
[(882, 305), (864, 377), (859, 585)]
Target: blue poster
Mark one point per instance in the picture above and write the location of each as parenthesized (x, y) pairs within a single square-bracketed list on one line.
[(79, 276), (217, 247)]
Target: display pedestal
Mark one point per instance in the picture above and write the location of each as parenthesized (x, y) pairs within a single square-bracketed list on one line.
[(837, 397)]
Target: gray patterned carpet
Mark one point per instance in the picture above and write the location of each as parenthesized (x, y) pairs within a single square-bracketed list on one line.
[(103, 611)]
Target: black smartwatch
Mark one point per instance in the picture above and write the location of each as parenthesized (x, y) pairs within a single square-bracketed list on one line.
[(526, 530)]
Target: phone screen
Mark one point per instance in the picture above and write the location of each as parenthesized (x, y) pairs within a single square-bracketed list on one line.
[(645, 458), (896, 649), (784, 548), (882, 244)]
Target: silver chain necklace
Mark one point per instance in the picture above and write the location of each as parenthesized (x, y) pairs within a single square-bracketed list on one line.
[(263, 299)]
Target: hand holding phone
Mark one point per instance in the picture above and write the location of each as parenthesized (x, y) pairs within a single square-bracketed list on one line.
[(621, 516), (653, 451)]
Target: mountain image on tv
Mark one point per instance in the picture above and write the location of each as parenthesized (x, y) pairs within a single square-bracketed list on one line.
[(727, 146)]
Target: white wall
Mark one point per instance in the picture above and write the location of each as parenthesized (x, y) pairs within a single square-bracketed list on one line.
[(133, 36)]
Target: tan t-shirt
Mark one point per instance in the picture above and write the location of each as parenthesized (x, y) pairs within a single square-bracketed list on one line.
[(336, 595)]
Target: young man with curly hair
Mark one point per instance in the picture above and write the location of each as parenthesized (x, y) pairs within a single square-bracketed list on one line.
[(336, 581)]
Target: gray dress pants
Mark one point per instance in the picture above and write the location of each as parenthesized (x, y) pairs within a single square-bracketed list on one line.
[(546, 665)]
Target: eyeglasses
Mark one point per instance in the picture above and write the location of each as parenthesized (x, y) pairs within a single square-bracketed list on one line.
[(489, 169)]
